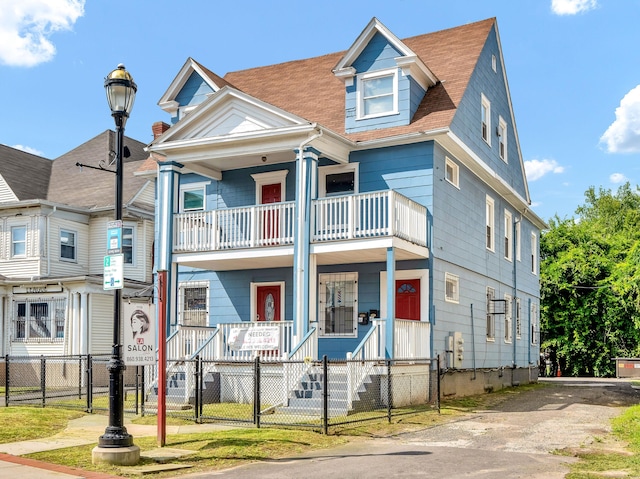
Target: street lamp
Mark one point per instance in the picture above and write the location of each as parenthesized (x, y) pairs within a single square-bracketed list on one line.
[(121, 92)]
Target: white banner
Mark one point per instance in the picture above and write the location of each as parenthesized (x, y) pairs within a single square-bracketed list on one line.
[(254, 338), (139, 334)]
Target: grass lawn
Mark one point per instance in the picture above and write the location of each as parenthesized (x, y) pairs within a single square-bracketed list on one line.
[(21, 423)]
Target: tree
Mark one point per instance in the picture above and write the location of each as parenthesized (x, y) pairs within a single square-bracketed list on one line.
[(590, 283)]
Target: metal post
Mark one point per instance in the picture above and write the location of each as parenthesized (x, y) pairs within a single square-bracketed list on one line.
[(6, 385), (256, 392), (89, 383), (196, 384), (43, 380), (162, 358), (144, 391), (116, 434), (389, 392), (325, 395)]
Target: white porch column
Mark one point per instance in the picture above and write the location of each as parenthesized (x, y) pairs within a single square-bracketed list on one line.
[(391, 304), (74, 330), (84, 323)]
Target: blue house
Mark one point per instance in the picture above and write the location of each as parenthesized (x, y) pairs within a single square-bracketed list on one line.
[(367, 204)]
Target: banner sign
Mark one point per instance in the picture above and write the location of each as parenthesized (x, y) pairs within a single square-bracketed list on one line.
[(139, 334), (255, 338)]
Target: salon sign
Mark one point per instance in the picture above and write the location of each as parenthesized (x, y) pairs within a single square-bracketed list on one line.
[(139, 345)]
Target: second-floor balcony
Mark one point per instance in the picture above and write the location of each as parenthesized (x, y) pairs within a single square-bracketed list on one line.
[(376, 215)]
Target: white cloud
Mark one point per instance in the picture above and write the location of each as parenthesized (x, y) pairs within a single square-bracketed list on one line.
[(572, 7), (623, 135), (28, 149), (26, 25), (617, 178), (536, 169)]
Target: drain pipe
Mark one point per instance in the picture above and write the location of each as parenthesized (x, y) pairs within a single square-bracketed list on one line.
[(301, 259)]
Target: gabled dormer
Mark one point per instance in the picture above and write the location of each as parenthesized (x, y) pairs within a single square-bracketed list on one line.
[(191, 86), (385, 80)]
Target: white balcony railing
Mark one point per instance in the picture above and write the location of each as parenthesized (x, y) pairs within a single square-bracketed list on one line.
[(367, 215)]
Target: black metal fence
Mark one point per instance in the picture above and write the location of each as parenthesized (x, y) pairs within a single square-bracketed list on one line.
[(304, 394)]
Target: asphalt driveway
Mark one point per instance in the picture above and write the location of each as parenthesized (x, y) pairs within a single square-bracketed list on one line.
[(513, 440)]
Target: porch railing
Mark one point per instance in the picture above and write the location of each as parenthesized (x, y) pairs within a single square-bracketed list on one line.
[(229, 228), (412, 339), (187, 340), (371, 347), (369, 215), (366, 215), (225, 351)]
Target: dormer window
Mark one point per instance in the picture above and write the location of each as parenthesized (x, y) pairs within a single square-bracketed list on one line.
[(378, 94)]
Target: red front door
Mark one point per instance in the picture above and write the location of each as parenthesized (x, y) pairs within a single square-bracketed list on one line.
[(268, 307), (408, 299), (271, 194)]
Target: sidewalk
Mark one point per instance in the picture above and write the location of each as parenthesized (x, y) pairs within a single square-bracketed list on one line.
[(79, 432)]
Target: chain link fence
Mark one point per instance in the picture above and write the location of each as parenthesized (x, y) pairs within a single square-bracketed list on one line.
[(305, 394)]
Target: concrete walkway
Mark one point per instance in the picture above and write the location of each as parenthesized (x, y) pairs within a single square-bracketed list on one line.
[(79, 432)]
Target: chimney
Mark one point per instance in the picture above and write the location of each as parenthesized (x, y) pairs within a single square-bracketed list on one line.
[(158, 128)]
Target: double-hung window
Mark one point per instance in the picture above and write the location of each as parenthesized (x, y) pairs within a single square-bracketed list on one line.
[(491, 325), (378, 94), (508, 236), (18, 241), (452, 172), (452, 288), (68, 251), (534, 253), (502, 138), (485, 116), (127, 244), (489, 222), (508, 319)]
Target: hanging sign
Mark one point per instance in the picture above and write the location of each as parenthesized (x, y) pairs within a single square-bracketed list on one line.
[(139, 334), (113, 272), (254, 339)]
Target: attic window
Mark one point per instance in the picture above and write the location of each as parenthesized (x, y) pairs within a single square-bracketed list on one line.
[(378, 94)]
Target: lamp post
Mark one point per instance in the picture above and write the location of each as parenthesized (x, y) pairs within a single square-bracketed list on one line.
[(121, 92)]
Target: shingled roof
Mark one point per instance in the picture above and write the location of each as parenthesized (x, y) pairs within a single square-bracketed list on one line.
[(309, 89), (26, 174), (91, 188)]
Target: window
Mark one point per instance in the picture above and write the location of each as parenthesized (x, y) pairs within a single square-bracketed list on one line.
[(489, 224), (491, 326), (39, 320), (494, 63), (377, 94), (193, 307), (518, 319), (18, 241), (534, 253), (485, 114), (508, 319), (502, 138), (67, 245), (192, 197), (338, 180), (451, 288), (518, 256), (452, 174), (338, 298), (127, 244), (508, 235)]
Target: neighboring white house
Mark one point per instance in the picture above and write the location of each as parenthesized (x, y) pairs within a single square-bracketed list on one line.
[(53, 227)]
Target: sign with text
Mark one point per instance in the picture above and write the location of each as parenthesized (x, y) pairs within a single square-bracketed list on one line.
[(254, 338), (114, 237), (139, 330), (113, 272)]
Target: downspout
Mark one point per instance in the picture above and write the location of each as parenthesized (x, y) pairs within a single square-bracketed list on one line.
[(301, 239), (48, 240)]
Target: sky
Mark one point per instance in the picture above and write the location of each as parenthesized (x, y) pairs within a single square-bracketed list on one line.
[(573, 68)]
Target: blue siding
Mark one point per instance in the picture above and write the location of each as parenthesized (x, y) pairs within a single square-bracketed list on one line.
[(194, 91), (379, 54), (466, 122)]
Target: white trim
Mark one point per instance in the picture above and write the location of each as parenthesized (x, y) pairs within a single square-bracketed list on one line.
[(253, 312), (534, 254), (182, 285), (362, 78), (75, 245), (325, 171), (270, 178), (508, 236), (422, 275), (502, 139), (455, 181), (186, 187), (133, 228), (490, 320), (508, 319), (490, 222), (347, 276), (13, 242)]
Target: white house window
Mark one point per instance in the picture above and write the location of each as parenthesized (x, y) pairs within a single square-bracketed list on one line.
[(378, 94), (494, 63), (193, 307), (338, 301), (452, 288), (452, 173), (485, 112), (67, 245), (39, 320), (18, 241), (534, 324), (338, 180), (127, 244), (534, 253), (491, 325), (508, 235), (490, 221), (508, 319), (192, 197), (502, 138), (518, 255)]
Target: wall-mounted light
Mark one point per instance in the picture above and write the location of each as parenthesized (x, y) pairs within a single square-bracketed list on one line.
[(264, 159)]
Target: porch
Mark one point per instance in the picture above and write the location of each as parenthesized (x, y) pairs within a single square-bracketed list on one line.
[(235, 238)]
